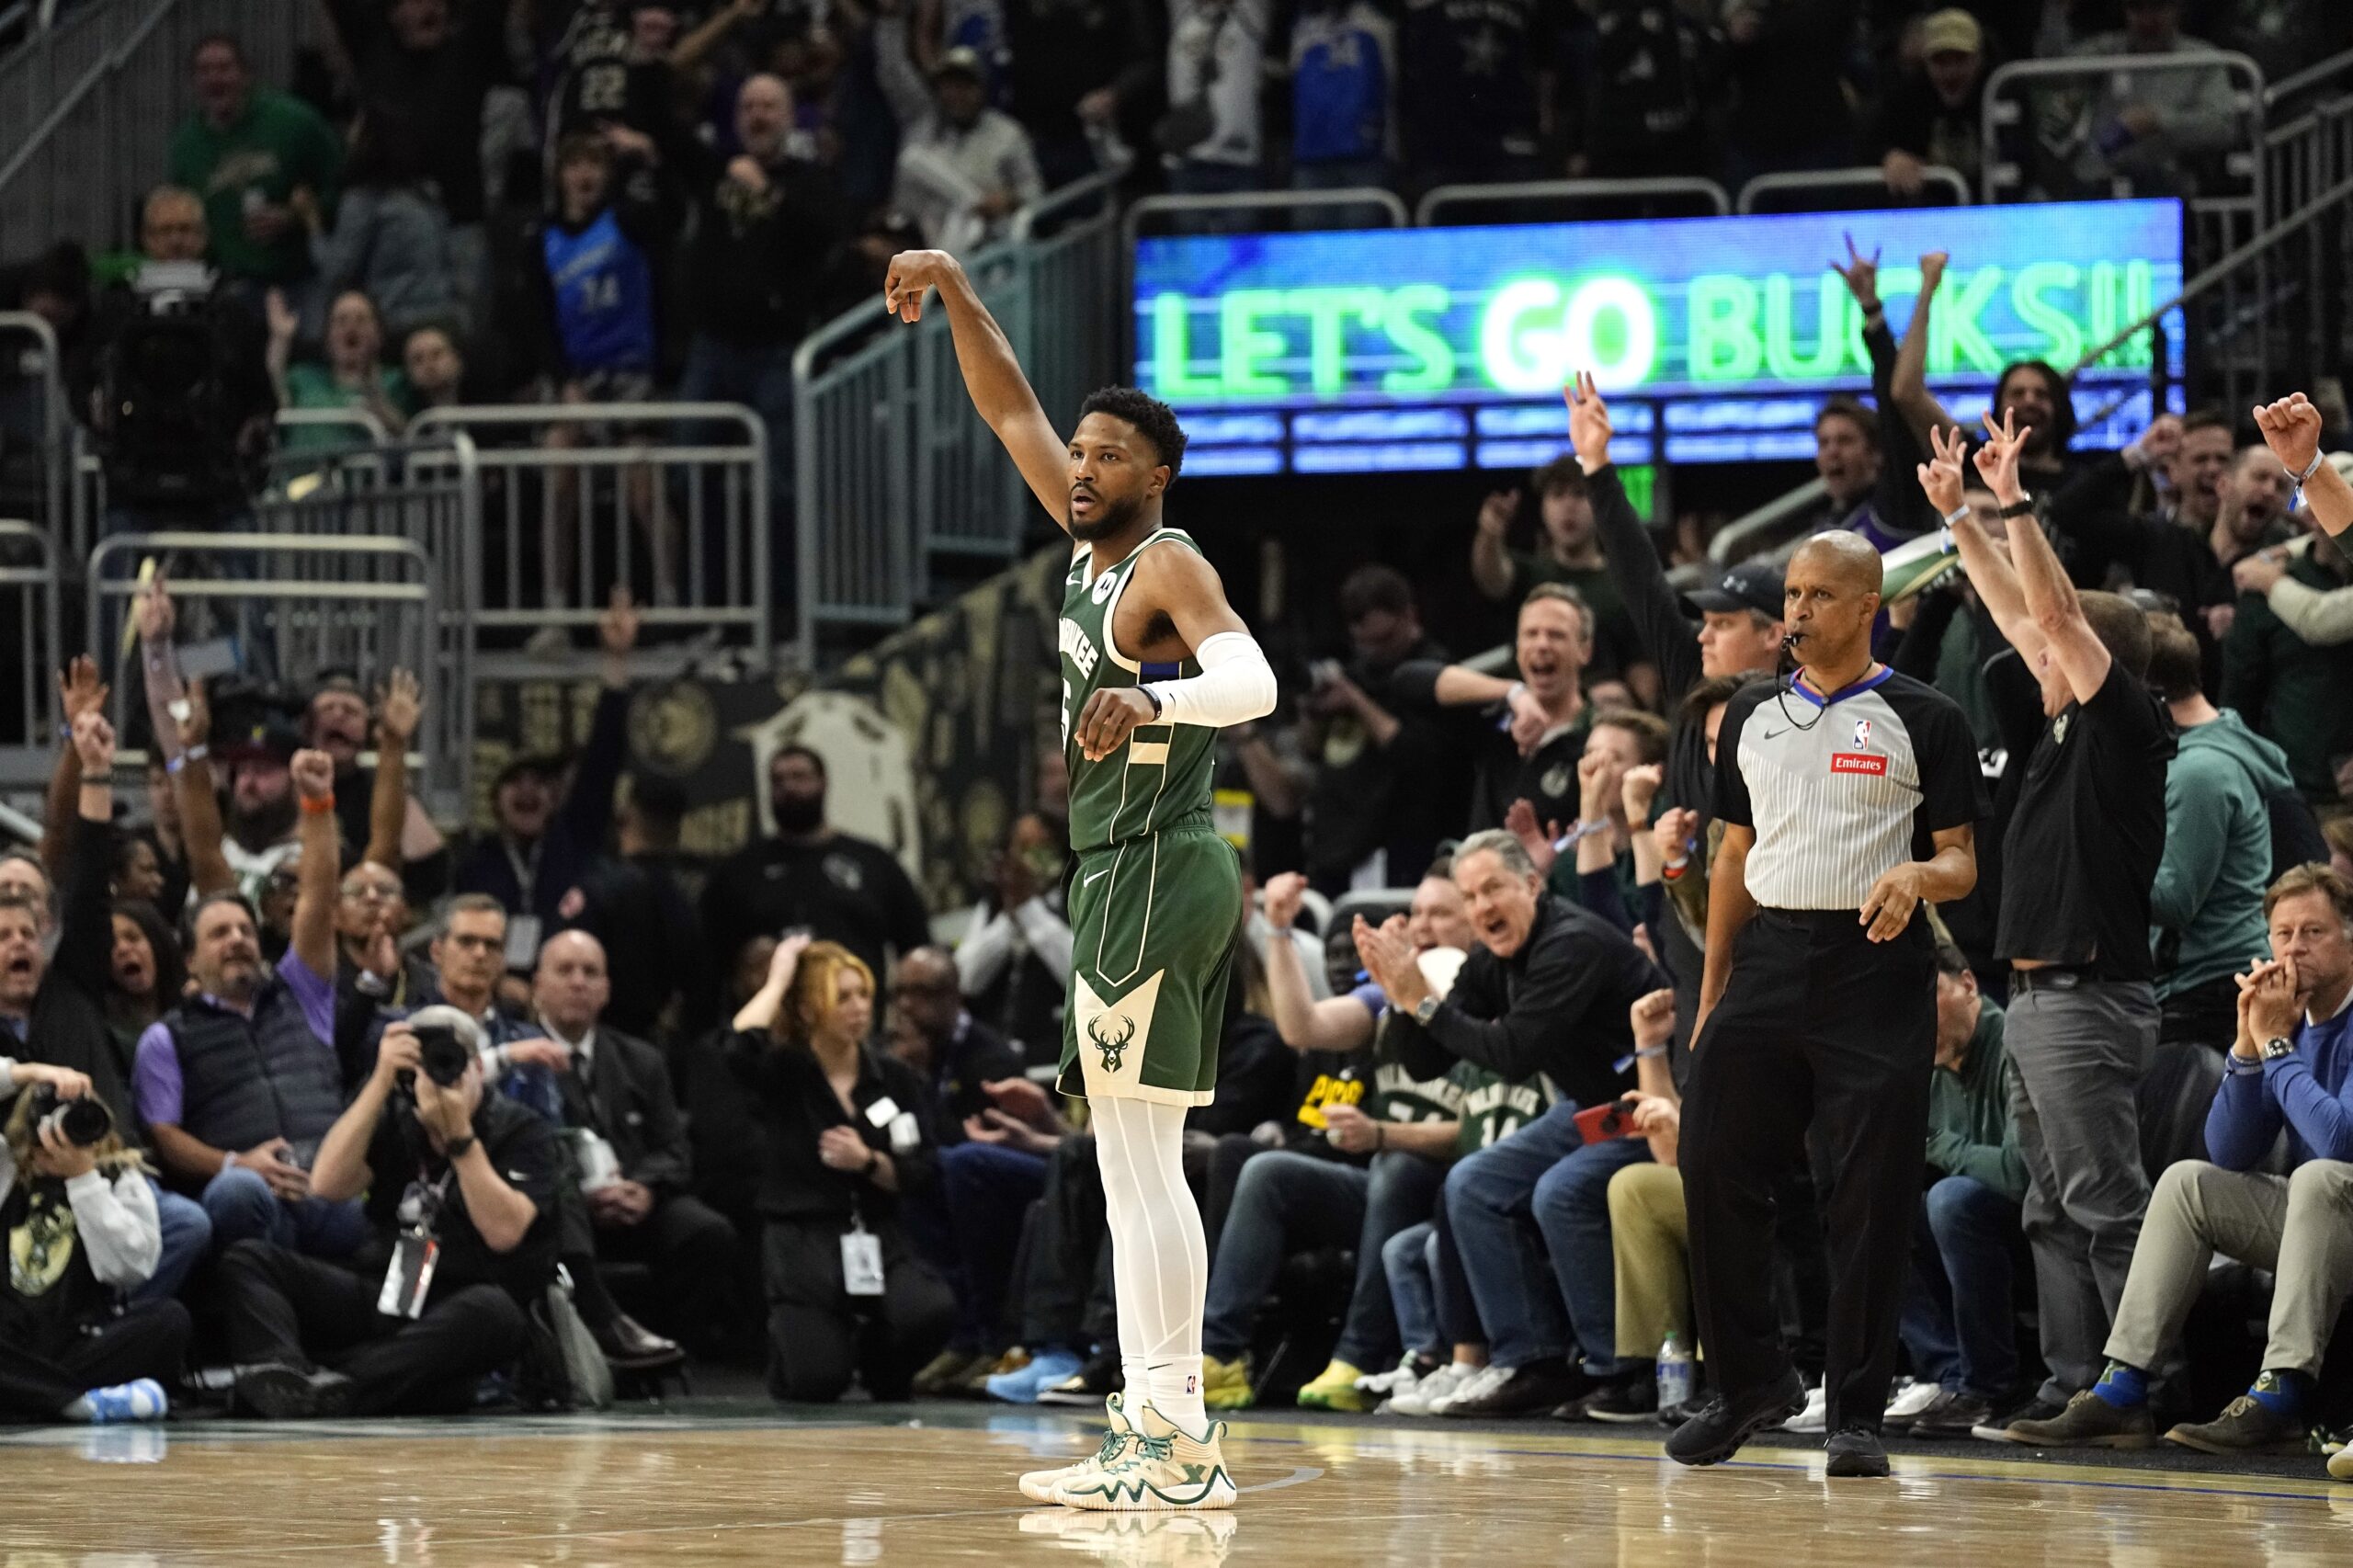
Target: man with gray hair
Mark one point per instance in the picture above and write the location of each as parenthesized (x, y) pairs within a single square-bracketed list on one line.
[(1548, 990)]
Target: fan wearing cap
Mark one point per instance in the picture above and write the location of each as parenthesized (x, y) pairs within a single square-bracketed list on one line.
[(258, 817), (1929, 117), (963, 166)]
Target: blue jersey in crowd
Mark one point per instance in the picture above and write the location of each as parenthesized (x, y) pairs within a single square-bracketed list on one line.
[(603, 296), (2309, 1092), (1340, 84)]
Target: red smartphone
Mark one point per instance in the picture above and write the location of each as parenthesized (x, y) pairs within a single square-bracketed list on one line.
[(1598, 1124)]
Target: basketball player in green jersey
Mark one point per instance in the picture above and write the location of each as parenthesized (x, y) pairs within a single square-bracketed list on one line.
[(1153, 660)]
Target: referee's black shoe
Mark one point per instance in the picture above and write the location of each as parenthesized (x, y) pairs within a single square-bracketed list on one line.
[(1719, 1426), (1855, 1451)]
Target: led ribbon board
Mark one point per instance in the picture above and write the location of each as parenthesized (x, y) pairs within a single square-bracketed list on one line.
[(1718, 337)]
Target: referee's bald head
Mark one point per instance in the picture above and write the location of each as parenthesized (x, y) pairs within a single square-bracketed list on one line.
[(1846, 555)]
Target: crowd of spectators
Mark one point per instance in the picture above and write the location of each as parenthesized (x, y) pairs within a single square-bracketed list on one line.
[(393, 1123)]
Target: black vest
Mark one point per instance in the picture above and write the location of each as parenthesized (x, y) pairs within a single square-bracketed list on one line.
[(244, 1082)]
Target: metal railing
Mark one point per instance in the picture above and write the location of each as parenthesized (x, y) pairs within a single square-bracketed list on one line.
[(1726, 547), (87, 109), (1565, 198), (566, 488), (1181, 210), (894, 468), (1865, 182), (33, 407), (31, 650), (2051, 103), (301, 606)]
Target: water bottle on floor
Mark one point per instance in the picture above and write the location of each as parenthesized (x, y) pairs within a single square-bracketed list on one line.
[(1674, 1373)]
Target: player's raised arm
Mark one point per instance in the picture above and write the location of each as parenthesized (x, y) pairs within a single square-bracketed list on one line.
[(992, 374)]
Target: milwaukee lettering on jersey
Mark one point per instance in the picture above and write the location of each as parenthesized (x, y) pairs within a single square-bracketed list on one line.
[(1857, 762), (1081, 649)]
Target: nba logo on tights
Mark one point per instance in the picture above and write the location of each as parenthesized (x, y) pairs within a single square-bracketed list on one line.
[(1192, 1385)]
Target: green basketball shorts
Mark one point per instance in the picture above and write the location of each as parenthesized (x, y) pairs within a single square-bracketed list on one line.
[(1152, 923)]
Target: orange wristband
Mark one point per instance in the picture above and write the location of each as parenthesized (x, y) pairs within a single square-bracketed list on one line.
[(318, 808)]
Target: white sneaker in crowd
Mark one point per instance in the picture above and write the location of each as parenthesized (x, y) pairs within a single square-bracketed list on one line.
[(1909, 1398), (1427, 1393), (1400, 1380), (1814, 1416)]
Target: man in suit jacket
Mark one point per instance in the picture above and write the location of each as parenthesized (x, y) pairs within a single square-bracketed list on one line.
[(618, 1092)]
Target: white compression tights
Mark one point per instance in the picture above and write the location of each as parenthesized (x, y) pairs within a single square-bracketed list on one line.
[(1160, 1260)]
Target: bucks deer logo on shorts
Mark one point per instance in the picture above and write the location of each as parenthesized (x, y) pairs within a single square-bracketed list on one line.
[(1112, 1043)]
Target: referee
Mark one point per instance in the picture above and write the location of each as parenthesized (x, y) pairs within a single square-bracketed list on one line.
[(1849, 795)]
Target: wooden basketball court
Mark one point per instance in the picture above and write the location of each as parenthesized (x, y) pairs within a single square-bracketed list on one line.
[(741, 1485)]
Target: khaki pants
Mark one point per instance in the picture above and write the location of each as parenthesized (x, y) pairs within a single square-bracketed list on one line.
[(1651, 1242), (2299, 1226)]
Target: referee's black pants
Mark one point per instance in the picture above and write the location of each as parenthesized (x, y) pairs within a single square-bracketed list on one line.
[(1820, 1026)]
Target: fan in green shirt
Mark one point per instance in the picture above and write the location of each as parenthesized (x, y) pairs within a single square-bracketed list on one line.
[(247, 151)]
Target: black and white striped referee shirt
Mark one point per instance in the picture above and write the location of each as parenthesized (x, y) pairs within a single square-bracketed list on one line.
[(1841, 789)]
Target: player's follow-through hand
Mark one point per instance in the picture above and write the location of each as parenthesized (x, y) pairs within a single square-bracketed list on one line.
[(913, 274)]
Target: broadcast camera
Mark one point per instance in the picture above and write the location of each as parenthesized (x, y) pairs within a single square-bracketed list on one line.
[(175, 395)]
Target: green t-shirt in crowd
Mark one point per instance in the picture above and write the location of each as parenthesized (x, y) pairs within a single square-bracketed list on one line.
[(1493, 1108), (277, 145), (311, 385)]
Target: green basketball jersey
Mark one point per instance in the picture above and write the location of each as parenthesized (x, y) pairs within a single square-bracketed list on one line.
[(1160, 776)]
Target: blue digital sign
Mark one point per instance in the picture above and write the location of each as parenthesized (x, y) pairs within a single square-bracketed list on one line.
[(1718, 338)]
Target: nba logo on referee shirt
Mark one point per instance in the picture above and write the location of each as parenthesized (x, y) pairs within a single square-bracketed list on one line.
[(1859, 760)]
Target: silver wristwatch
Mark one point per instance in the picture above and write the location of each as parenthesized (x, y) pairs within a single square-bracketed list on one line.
[(2277, 1047), (1425, 1010)]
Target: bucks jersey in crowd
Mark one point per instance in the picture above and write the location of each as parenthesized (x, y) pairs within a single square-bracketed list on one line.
[(1155, 897), (603, 296)]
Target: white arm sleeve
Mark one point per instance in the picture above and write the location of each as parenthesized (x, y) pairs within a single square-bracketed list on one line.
[(986, 948), (1236, 686), (120, 1232), (1049, 936)]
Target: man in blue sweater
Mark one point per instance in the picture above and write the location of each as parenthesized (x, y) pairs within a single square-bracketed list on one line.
[(2289, 1068)]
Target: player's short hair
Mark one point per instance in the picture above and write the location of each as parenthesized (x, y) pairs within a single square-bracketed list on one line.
[(1153, 420)]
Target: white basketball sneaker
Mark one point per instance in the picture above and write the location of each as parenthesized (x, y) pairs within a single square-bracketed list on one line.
[(1118, 1443), (1167, 1469)]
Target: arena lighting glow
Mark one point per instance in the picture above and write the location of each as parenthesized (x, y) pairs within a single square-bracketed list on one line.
[(1376, 349)]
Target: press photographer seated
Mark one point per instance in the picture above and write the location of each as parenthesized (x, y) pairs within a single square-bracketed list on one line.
[(458, 1181), (844, 1137), (79, 1220)]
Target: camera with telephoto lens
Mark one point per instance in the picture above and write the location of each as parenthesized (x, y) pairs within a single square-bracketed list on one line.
[(84, 1123)]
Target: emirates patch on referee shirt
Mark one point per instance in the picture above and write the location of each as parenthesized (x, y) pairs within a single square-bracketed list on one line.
[(1857, 762)]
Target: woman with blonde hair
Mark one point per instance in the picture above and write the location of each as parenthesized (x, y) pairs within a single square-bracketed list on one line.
[(81, 1233), (845, 1136)]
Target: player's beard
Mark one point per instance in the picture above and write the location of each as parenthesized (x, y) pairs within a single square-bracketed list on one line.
[(1111, 517)]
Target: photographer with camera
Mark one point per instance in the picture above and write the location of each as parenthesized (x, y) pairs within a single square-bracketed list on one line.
[(239, 1082), (459, 1183), (53, 1005), (78, 1216)]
